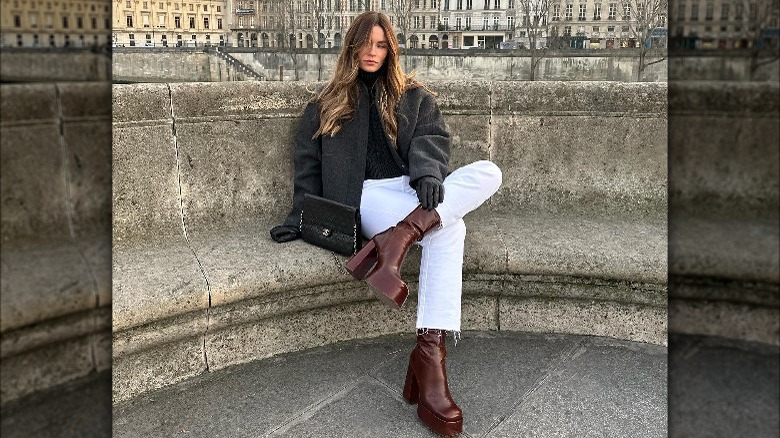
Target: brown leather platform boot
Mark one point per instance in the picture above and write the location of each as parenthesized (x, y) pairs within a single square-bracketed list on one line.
[(426, 384), (380, 260)]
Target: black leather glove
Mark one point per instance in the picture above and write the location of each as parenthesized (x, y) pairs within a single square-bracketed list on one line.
[(430, 192), (284, 233)]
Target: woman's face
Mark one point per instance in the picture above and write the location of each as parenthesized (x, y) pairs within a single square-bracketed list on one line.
[(373, 55)]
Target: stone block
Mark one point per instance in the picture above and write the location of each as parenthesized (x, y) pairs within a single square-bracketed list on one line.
[(580, 246), (241, 100), (33, 183), (162, 365), (42, 282), (146, 206), (88, 146), (249, 174), (85, 99), (587, 162), (597, 97), (585, 317), (301, 330), (28, 102), (34, 370), (155, 282), (138, 102)]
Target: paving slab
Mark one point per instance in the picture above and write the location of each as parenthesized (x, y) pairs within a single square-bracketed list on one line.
[(79, 409), (353, 389), (723, 388)]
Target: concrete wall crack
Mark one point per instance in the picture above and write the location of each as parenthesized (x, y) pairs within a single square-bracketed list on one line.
[(184, 224)]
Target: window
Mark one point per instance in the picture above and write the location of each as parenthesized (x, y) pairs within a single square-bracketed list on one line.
[(176, 6), (219, 8), (694, 11), (459, 4), (457, 23), (177, 22), (161, 20), (724, 11), (497, 4), (205, 22), (624, 29), (219, 23), (568, 14), (487, 4), (626, 11), (740, 10), (469, 3), (205, 8), (33, 20), (192, 22), (597, 11), (161, 6), (127, 4), (80, 22), (495, 23), (709, 12), (94, 23), (416, 22), (581, 17), (510, 22), (65, 22), (446, 22), (610, 28), (434, 4), (191, 7), (17, 21), (511, 4), (567, 31), (612, 11), (556, 13), (146, 5), (595, 29)]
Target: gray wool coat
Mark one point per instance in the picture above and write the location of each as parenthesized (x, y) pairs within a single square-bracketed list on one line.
[(334, 167)]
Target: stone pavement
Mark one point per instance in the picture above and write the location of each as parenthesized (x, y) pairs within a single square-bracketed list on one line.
[(508, 384)]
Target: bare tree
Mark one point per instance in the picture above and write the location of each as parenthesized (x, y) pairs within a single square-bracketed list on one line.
[(402, 11), (289, 24), (756, 17), (644, 18), (535, 25)]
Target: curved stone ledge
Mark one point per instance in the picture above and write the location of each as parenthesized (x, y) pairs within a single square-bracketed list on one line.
[(203, 171), (56, 225)]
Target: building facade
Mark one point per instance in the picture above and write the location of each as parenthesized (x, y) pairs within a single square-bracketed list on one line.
[(478, 23), (725, 24), (324, 23), (177, 23), (55, 23)]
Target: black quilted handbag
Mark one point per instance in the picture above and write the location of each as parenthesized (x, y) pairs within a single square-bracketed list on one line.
[(330, 225)]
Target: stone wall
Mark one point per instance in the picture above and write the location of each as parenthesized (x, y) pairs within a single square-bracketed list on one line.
[(44, 65)]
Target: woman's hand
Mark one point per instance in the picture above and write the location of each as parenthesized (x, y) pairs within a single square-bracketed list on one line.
[(284, 233), (430, 192)]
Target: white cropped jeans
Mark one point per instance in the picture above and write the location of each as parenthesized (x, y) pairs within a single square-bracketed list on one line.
[(385, 202)]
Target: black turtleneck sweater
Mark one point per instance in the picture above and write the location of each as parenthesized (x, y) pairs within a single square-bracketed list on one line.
[(380, 162)]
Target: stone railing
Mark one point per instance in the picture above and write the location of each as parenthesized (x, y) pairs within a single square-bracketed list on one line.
[(573, 242)]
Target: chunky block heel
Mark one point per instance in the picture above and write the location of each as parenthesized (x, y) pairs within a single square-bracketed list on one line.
[(363, 261), (411, 391), (379, 262)]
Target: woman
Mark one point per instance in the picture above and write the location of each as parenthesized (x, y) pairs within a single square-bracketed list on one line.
[(374, 138)]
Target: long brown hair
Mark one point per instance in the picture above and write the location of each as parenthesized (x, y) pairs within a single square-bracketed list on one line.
[(338, 99)]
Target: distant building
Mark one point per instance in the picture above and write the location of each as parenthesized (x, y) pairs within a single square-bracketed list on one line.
[(54, 23), (724, 24), (170, 23), (305, 23)]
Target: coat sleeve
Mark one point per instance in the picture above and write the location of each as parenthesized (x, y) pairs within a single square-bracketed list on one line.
[(308, 163), (429, 151)]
